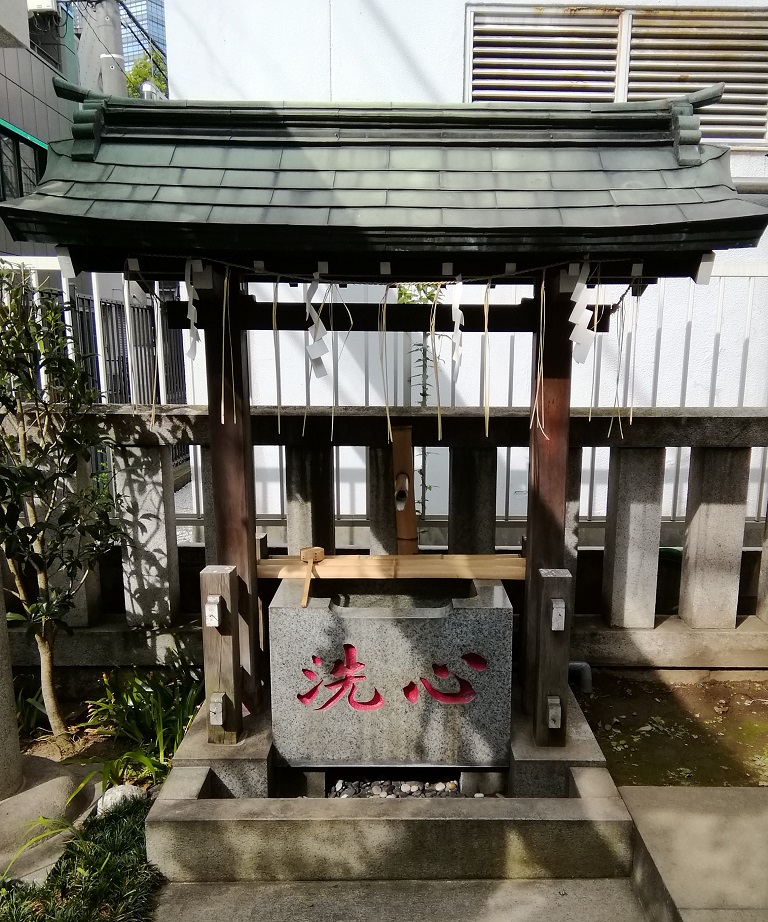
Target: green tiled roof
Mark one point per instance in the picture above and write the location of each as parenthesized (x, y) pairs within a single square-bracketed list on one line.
[(183, 177)]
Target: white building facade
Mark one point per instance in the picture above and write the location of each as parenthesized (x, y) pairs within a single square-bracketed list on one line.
[(681, 345)]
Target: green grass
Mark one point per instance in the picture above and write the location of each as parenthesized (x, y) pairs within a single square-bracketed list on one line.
[(103, 876), (149, 712)]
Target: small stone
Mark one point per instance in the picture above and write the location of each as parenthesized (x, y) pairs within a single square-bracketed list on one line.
[(339, 785), (383, 794), (345, 794), (116, 795), (405, 788), (451, 786), (430, 793), (440, 786), (376, 789), (479, 794), (391, 796), (416, 794)]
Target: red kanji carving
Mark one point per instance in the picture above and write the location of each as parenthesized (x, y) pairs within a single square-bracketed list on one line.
[(464, 695), (475, 661), (465, 692), (411, 691), (348, 673)]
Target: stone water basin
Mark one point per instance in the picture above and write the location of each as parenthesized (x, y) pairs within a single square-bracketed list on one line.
[(392, 672)]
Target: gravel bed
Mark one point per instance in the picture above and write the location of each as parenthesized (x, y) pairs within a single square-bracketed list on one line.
[(396, 789)]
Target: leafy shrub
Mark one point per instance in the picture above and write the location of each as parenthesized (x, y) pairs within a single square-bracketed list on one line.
[(103, 875), (30, 709), (150, 710)]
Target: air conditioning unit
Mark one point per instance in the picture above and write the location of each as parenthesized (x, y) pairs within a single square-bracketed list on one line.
[(42, 6)]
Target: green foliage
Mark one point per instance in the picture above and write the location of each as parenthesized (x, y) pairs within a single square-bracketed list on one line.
[(103, 875), (146, 68), (149, 710), (55, 521), (422, 293), (30, 710), (418, 293)]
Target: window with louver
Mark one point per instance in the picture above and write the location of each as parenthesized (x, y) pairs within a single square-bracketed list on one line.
[(578, 54), (676, 51), (526, 56)]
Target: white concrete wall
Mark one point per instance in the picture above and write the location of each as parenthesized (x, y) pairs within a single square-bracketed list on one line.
[(339, 50), (14, 24), (415, 51)]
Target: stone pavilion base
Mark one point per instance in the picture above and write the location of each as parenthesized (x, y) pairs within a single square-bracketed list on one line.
[(216, 821)]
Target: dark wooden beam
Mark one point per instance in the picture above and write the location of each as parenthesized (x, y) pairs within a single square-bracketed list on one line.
[(502, 318), (652, 427), (548, 466), (229, 424), (413, 256)]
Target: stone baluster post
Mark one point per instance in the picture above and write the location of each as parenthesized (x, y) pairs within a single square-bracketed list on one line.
[(309, 489), (572, 504), (472, 501), (381, 501), (762, 584), (632, 535), (144, 480), (714, 536)]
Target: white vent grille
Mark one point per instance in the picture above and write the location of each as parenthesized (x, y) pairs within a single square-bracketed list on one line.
[(576, 54), (675, 52), (529, 57)]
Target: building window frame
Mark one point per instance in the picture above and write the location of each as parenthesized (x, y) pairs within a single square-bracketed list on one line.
[(15, 140)]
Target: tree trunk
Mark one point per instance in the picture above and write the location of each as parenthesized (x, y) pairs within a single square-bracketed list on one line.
[(50, 699)]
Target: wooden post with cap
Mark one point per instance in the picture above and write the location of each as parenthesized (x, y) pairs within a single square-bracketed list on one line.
[(226, 359), (547, 466)]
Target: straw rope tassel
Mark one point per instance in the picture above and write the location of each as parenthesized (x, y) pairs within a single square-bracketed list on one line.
[(486, 359), (432, 319), (276, 341), (383, 356)]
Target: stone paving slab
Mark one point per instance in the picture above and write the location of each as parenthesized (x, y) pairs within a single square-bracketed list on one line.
[(710, 846), (724, 915), (400, 901)]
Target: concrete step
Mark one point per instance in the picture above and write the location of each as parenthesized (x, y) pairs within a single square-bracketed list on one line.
[(701, 854), (403, 901)]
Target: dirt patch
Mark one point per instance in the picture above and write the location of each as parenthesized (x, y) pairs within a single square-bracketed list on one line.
[(85, 746), (655, 733)]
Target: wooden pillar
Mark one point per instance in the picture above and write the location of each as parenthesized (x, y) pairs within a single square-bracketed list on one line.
[(548, 463), (403, 493), (226, 359)]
